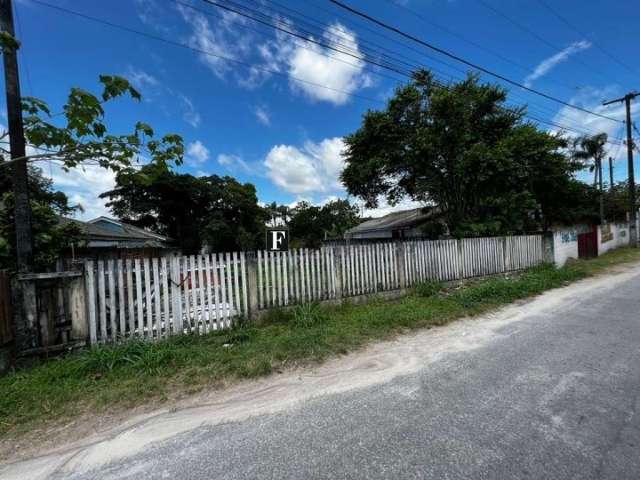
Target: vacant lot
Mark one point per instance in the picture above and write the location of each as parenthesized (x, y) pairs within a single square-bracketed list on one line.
[(113, 379)]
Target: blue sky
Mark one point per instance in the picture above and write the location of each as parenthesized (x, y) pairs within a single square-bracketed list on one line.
[(284, 135)]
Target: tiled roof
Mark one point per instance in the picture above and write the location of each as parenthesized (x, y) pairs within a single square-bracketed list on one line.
[(395, 220), (95, 231)]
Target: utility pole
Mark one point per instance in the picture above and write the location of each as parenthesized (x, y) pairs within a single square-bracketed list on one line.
[(610, 173), (24, 236), (633, 234), (601, 193)]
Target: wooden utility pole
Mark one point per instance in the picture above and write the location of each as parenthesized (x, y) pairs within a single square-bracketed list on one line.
[(610, 173), (601, 192), (633, 234), (24, 236)]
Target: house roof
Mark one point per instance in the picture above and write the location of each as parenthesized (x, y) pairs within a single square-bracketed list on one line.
[(396, 220), (96, 231), (130, 231)]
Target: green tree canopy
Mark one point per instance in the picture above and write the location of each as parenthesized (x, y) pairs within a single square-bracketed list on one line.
[(47, 205), (77, 135), (589, 151), (461, 147), (310, 224), (218, 212)]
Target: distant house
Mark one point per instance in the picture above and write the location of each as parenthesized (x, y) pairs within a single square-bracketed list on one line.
[(105, 237), (396, 225)]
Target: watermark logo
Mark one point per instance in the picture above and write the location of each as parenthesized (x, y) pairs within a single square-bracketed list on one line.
[(277, 240)]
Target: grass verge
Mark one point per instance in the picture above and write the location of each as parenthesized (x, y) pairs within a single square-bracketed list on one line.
[(125, 376)]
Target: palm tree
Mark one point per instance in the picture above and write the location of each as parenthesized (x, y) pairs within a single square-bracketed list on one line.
[(590, 151)]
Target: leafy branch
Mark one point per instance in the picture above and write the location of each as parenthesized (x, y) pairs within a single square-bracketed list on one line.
[(84, 137)]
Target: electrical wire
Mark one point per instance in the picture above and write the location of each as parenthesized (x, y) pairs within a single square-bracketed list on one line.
[(475, 44), (579, 32), (232, 60), (540, 38), (201, 51), (468, 63), (249, 15)]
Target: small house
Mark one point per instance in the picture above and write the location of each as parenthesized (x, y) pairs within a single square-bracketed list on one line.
[(397, 225), (105, 237)]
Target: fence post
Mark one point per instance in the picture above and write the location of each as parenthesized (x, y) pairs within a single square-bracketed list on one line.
[(401, 264), (548, 254), (505, 263), (176, 296), (252, 284), (337, 269), (78, 309), (460, 259), (25, 313), (90, 302)]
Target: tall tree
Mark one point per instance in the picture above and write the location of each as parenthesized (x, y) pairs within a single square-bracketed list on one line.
[(310, 224), (213, 211), (78, 135), (51, 237), (461, 147), (589, 149)]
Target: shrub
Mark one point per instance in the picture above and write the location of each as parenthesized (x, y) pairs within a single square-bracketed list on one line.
[(427, 289), (308, 314)]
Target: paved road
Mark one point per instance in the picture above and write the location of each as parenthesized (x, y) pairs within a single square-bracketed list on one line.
[(548, 390)]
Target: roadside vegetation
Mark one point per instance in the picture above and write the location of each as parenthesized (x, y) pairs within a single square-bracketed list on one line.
[(136, 372)]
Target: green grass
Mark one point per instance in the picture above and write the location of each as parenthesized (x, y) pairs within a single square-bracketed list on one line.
[(125, 376)]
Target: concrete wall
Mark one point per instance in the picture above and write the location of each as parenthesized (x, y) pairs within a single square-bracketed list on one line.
[(565, 240), (565, 243), (611, 236)]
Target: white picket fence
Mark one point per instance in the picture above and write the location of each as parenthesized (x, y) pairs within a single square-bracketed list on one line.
[(445, 260), (296, 276), (159, 297)]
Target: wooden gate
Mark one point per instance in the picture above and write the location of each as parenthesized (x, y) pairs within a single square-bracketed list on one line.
[(588, 244)]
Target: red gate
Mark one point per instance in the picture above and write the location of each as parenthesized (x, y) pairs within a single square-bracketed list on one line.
[(588, 244)]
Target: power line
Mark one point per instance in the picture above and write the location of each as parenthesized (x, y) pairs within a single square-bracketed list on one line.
[(299, 44), (535, 35), (333, 47), (201, 51), (468, 63), (232, 60), (22, 51), (295, 14), (579, 32), (479, 46)]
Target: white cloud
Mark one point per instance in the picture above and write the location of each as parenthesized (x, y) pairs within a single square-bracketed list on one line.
[(197, 153), (83, 185), (262, 115), (233, 162), (190, 114), (319, 73), (342, 74), (591, 99), (141, 80), (326, 75), (315, 167), (548, 64), (221, 38)]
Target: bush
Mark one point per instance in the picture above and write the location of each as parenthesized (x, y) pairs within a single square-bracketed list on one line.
[(427, 289), (276, 315), (308, 314)]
